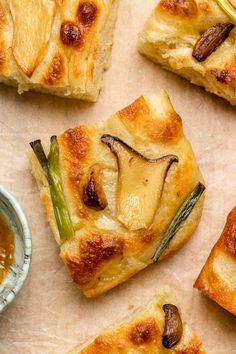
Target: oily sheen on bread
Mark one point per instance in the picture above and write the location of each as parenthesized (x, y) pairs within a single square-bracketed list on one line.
[(124, 182), (217, 279), (172, 31), (143, 332), (56, 46)]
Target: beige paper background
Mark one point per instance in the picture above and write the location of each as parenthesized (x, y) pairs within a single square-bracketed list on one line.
[(50, 314)]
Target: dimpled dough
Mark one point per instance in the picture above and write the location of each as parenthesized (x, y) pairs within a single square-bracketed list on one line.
[(170, 34), (59, 47), (105, 251), (141, 333)]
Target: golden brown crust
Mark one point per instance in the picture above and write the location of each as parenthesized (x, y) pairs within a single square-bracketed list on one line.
[(55, 71), (50, 46), (93, 252), (104, 251), (181, 8), (166, 130), (226, 75), (4, 52), (217, 279), (171, 33), (77, 141), (142, 333), (228, 238), (75, 146)]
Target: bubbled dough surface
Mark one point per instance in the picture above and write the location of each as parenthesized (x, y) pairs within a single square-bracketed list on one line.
[(170, 35), (50, 314)]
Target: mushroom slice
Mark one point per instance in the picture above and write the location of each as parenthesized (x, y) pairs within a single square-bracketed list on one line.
[(210, 40), (93, 193), (32, 22), (173, 326), (140, 183)]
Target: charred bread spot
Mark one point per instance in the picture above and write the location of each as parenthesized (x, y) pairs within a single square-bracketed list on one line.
[(71, 35), (94, 251), (55, 71), (225, 76), (87, 13), (229, 233), (93, 193), (221, 75), (144, 332), (181, 8)]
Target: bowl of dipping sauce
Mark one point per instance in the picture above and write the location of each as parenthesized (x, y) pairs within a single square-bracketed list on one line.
[(15, 248)]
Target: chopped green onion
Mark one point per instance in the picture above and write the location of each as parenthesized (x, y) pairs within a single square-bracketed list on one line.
[(180, 217), (228, 8), (52, 173)]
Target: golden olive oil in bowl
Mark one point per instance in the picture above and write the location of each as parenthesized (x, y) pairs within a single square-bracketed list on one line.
[(15, 248), (7, 247)]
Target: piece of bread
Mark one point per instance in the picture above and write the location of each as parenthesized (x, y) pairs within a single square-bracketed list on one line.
[(56, 46), (117, 237), (171, 33), (142, 332), (217, 279)]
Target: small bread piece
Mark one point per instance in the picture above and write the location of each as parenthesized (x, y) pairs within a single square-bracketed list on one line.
[(58, 47), (142, 332), (171, 33), (217, 279), (137, 171)]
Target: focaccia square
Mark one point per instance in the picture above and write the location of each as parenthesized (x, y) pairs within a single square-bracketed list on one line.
[(56, 46), (217, 279), (126, 193), (194, 39), (156, 328)]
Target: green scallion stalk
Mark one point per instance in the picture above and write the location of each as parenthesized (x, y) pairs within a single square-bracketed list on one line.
[(180, 217), (228, 8), (51, 168)]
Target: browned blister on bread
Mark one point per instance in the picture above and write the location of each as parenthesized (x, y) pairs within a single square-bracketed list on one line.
[(123, 181), (196, 40), (217, 279), (142, 332), (58, 47)]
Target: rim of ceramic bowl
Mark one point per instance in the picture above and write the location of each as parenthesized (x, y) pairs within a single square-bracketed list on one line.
[(19, 214)]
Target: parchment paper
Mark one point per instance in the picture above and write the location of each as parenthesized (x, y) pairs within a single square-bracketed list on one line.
[(50, 314)]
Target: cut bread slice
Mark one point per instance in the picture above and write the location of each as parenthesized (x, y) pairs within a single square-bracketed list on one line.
[(57, 47), (217, 279), (121, 187), (144, 331), (170, 36)]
